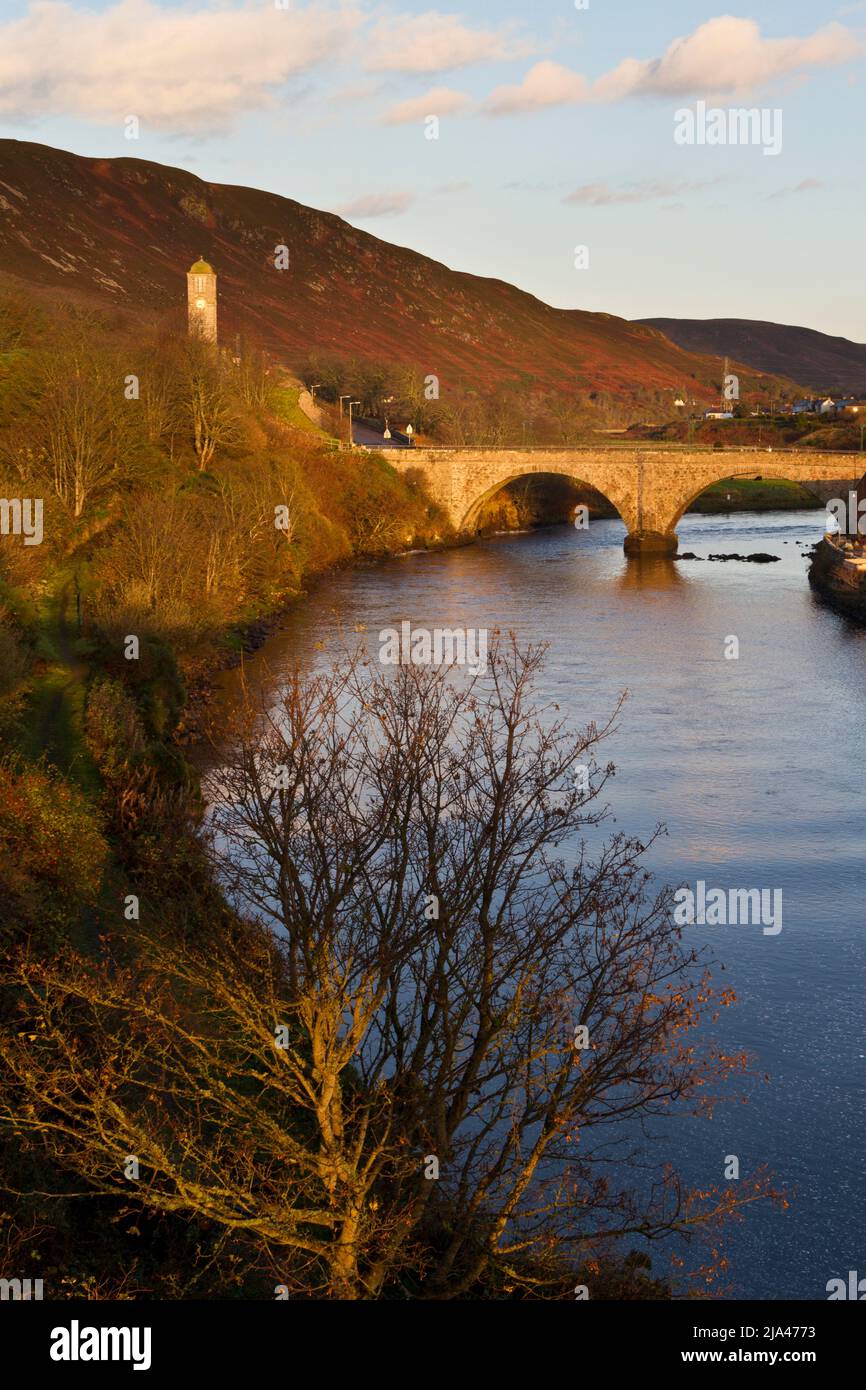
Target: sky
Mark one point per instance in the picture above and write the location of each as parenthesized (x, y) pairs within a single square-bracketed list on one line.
[(560, 126)]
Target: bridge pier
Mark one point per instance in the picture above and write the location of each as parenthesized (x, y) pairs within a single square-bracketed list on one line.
[(651, 543)]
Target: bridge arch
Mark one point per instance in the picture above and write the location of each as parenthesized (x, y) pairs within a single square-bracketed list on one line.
[(581, 475), (777, 470)]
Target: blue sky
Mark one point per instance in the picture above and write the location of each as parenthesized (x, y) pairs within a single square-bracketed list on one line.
[(555, 130)]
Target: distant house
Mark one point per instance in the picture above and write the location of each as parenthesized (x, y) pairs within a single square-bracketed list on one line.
[(803, 407), (827, 407), (718, 415)]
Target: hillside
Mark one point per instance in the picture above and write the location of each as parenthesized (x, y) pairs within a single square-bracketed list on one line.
[(123, 232), (820, 361)]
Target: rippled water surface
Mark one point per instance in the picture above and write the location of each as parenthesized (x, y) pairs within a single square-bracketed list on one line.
[(756, 767)]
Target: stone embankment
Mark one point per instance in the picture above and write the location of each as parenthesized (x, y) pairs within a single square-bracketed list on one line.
[(840, 578)]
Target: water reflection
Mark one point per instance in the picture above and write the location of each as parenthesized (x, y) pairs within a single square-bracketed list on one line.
[(651, 572)]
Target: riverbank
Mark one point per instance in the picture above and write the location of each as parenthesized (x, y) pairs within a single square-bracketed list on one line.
[(753, 495)]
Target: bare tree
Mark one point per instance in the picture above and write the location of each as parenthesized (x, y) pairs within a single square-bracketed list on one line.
[(158, 387), (205, 400), (252, 376), (565, 411), (401, 832), (427, 1062), (155, 562), (83, 419)]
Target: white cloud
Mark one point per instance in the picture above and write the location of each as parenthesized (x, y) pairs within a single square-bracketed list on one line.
[(804, 186), (725, 55), (197, 66), (434, 42), (377, 205), (730, 55), (546, 84), (187, 69), (601, 194), (439, 101)]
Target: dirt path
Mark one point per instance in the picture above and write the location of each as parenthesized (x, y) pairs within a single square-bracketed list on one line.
[(55, 720)]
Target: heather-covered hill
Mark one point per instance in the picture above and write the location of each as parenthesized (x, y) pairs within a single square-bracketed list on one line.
[(123, 232), (823, 362)]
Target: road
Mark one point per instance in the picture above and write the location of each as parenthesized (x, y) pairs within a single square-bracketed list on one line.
[(371, 437)]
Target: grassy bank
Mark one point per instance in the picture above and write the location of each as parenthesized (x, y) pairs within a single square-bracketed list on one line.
[(754, 495)]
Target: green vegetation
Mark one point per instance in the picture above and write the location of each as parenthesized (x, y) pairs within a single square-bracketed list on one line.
[(185, 499), (53, 851), (186, 496), (283, 402), (754, 495)]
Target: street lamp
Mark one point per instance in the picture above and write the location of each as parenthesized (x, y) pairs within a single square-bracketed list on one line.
[(344, 398), (314, 388), (351, 404)]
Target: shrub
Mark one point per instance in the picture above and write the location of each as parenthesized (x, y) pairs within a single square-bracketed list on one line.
[(52, 853), (112, 727)]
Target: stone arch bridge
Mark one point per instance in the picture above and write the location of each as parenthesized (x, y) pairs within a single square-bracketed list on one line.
[(650, 488)]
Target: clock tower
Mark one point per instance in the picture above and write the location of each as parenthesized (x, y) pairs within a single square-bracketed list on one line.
[(201, 286)]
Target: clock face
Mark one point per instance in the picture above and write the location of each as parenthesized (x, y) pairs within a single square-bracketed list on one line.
[(200, 303)]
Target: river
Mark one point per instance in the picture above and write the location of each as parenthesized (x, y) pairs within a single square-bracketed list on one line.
[(756, 769)]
